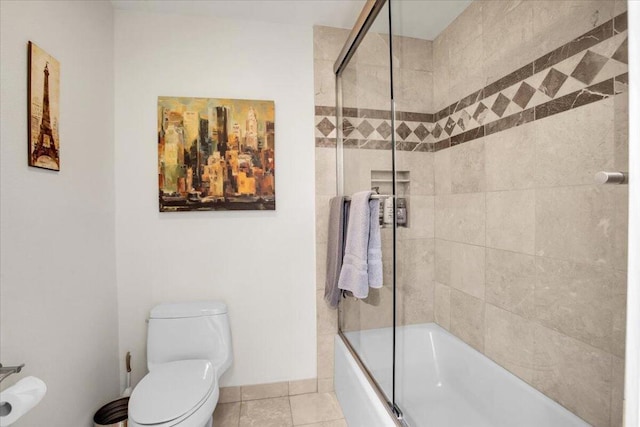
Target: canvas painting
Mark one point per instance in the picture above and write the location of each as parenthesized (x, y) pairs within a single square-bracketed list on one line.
[(216, 154), (44, 109)]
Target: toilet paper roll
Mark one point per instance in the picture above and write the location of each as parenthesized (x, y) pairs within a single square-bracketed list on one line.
[(20, 398)]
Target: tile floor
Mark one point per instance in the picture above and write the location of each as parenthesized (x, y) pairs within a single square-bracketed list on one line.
[(310, 410)]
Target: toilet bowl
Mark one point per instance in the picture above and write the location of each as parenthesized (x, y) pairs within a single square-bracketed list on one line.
[(188, 348)]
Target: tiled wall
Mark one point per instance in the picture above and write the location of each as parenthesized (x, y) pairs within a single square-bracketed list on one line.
[(517, 251), (530, 254)]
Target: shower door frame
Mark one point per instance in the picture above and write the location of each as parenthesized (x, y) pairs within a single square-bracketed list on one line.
[(365, 20)]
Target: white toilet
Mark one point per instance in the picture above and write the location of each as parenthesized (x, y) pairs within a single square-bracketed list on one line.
[(188, 350)]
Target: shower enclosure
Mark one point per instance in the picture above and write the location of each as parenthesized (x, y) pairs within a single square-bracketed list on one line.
[(482, 125)]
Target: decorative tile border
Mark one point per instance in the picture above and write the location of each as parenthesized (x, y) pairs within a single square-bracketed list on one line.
[(563, 79)]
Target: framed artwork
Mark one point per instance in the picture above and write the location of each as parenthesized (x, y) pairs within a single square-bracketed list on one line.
[(43, 109), (216, 154)]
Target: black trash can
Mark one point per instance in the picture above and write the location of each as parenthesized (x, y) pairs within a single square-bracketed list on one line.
[(113, 414)]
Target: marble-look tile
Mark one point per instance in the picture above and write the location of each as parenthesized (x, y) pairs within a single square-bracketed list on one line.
[(366, 86), (266, 413), (441, 93), (421, 214), (416, 303), (316, 407), (621, 226), (467, 269), (325, 171), (621, 131), (325, 356), (411, 89), (467, 167), (373, 50), (442, 171), (510, 281), (576, 299), (325, 385), (376, 311), (510, 159), (421, 171), (326, 317), (465, 66), (303, 386), (619, 7), (556, 23), (506, 46), (324, 83), (328, 42), (467, 319), (576, 223), (571, 147), (511, 220), (229, 394), (461, 218), (443, 261), (415, 262), (442, 305), (509, 341), (574, 374), (413, 54), (264, 391), (321, 265), (619, 310), (227, 414), (617, 392), (322, 218)]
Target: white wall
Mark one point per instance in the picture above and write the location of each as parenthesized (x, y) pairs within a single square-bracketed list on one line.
[(632, 385), (260, 263), (58, 291)]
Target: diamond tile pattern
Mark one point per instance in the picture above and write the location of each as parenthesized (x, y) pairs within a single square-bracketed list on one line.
[(325, 126), (421, 132), (552, 82), (365, 128), (501, 104), (347, 127), (403, 130), (589, 67), (384, 129), (594, 66), (523, 95), (448, 128)]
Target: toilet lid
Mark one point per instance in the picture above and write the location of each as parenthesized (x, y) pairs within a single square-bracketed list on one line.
[(171, 390)]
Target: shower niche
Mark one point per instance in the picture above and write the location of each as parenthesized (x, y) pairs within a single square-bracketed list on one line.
[(382, 183)]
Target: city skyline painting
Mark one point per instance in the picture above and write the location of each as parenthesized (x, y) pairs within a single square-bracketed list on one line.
[(43, 108), (216, 154)]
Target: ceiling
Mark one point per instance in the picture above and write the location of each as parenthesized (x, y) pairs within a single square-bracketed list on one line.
[(423, 19)]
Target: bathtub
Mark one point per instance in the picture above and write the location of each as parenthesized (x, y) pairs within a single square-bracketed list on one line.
[(440, 382)]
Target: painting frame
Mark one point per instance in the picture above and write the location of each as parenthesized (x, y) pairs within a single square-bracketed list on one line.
[(43, 108), (215, 154)]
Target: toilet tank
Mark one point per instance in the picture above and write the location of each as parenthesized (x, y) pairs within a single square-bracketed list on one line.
[(191, 330)]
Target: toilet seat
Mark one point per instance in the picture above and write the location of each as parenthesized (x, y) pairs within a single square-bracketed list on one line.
[(173, 392)]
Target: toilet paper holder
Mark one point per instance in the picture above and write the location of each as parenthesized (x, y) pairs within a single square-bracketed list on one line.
[(5, 371)]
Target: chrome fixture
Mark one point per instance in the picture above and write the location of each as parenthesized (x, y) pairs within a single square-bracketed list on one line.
[(603, 177), (5, 371), (373, 196)]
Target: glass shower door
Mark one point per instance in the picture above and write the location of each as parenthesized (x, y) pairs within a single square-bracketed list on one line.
[(365, 161)]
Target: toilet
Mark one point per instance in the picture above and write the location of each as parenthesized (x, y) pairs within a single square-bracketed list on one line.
[(188, 350)]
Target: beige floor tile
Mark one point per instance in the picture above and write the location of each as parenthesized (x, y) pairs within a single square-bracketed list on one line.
[(265, 391), (227, 415), (335, 423), (266, 413), (314, 408)]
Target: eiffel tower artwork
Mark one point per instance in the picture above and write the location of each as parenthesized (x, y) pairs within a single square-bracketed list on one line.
[(44, 93)]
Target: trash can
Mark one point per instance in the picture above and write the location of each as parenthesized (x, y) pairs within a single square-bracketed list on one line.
[(113, 414)]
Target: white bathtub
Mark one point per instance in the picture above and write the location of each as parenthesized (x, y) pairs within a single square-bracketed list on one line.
[(440, 382)]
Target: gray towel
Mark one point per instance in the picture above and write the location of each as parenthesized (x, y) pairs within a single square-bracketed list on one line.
[(355, 275), (335, 248)]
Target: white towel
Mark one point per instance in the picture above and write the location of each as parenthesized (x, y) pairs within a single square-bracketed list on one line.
[(362, 263), (374, 259)]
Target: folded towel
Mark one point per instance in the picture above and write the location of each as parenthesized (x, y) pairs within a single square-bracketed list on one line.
[(374, 259), (354, 276), (335, 248)]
